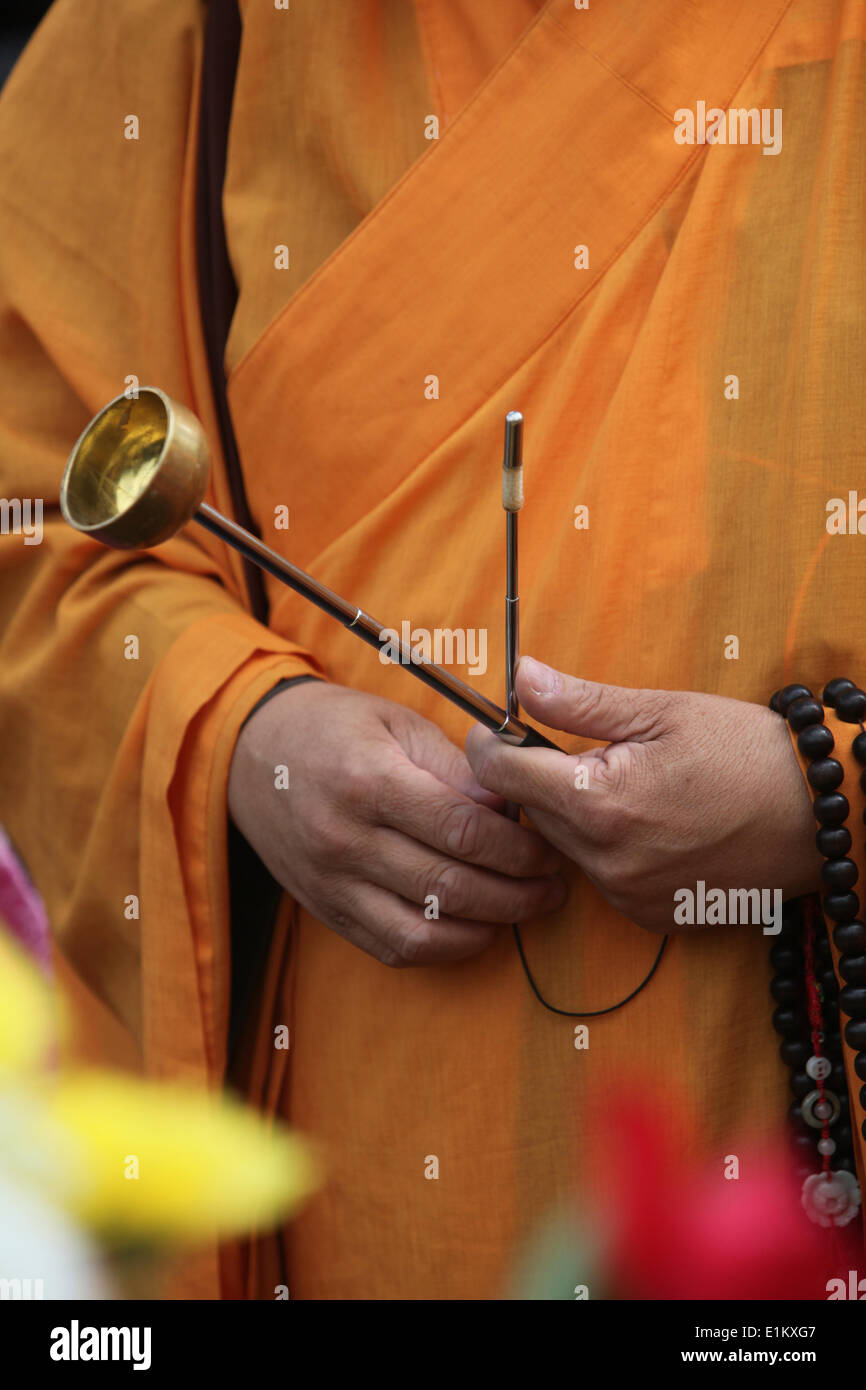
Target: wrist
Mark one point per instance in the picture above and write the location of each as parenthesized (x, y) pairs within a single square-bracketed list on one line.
[(247, 749), (277, 689)]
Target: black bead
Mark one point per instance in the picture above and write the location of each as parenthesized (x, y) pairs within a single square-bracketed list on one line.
[(802, 713), (855, 1033), (803, 1146), (831, 808), (843, 1136), (836, 1080), (816, 741), (852, 1001), (786, 989), (801, 1084), (786, 959), (858, 748), (847, 1165), (833, 841), (833, 689), (859, 1065), (851, 706), (863, 780), (794, 1052), (829, 983), (825, 774), (863, 1129), (795, 1119), (850, 937), (839, 873), (789, 1022), (841, 907), (853, 969), (789, 693), (830, 1010), (822, 950), (773, 702), (863, 1097), (832, 1044)]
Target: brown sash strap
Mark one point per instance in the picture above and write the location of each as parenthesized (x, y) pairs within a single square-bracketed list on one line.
[(216, 284), (254, 893)]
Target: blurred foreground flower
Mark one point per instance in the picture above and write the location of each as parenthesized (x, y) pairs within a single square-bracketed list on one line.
[(673, 1228), (688, 1230), (21, 907), (160, 1160), (136, 1161), (43, 1254), (28, 1020)]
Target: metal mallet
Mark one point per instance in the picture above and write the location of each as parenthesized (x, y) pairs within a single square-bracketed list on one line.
[(137, 476)]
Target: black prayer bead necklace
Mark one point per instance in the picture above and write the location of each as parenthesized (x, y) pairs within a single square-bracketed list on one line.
[(804, 985)]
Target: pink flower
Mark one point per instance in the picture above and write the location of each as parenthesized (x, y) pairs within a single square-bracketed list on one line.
[(21, 907)]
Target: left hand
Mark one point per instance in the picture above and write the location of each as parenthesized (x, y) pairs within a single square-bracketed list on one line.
[(690, 787)]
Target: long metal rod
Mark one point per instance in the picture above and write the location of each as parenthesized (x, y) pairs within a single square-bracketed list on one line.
[(500, 721), (512, 501)]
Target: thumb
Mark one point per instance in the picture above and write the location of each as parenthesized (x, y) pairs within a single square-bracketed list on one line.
[(611, 712)]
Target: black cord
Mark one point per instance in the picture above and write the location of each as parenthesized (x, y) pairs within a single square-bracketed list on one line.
[(589, 1013)]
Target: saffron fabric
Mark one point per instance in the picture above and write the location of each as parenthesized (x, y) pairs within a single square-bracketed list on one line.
[(681, 326)]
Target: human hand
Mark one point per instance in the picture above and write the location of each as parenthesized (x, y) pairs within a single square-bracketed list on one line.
[(690, 787), (381, 813)]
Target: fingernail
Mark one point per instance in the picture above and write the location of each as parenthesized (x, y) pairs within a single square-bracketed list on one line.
[(542, 679)]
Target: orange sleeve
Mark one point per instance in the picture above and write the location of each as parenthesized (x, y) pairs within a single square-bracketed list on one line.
[(124, 677)]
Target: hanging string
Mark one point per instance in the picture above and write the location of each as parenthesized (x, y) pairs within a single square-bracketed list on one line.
[(584, 1013)]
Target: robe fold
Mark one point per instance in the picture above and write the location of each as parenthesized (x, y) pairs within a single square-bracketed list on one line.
[(681, 325)]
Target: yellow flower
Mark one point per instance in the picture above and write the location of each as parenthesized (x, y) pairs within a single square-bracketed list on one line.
[(28, 1022), (136, 1160), (162, 1160)]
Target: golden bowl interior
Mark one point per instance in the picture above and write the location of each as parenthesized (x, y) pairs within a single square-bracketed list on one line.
[(115, 460)]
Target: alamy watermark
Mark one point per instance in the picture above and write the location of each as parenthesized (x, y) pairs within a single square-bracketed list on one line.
[(445, 646), (738, 125), (714, 907), (22, 517)]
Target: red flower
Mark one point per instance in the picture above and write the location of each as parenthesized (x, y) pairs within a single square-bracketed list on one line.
[(732, 1228)]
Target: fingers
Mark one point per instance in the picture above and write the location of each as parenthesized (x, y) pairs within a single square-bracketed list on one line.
[(396, 932), (536, 777), (613, 713), (429, 749), (417, 873), (417, 803)]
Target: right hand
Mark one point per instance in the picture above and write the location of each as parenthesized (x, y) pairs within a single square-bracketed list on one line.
[(381, 812)]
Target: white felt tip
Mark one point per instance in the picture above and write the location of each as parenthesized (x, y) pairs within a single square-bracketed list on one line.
[(512, 489)]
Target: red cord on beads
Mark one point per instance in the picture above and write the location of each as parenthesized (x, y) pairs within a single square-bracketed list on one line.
[(816, 1020), (815, 1017)]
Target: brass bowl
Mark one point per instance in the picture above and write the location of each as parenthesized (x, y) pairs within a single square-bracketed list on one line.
[(138, 472)]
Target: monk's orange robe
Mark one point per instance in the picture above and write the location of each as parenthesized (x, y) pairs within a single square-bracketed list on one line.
[(681, 325)]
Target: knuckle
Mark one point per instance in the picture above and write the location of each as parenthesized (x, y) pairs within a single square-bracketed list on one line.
[(415, 943), (333, 839), (326, 837), (485, 767), (612, 769), (358, 784), (443, 883), (388, 794), (393, 959), (342, 923), (461, 831)]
